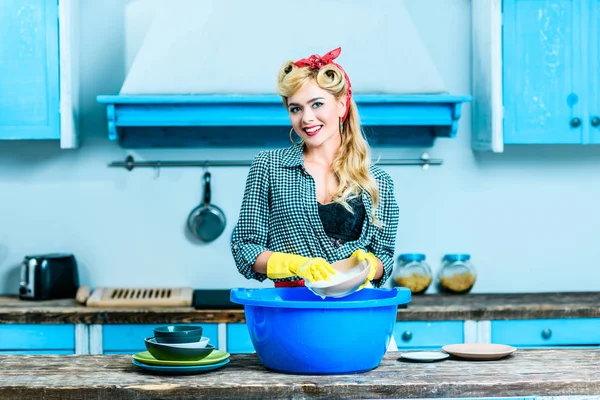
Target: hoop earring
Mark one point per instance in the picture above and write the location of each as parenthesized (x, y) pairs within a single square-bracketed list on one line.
[(292, 138), (341, 126)]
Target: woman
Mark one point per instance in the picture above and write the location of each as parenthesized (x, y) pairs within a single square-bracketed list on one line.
[(320, 200)]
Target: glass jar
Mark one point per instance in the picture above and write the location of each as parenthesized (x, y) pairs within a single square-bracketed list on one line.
[(457, 274), (413, 273)]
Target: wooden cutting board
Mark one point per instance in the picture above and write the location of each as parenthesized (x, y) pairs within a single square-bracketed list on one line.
[(140, 297)]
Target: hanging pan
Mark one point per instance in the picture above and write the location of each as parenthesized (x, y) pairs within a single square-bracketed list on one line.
[(206, 222)]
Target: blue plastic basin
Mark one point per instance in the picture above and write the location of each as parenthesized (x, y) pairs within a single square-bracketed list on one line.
[(294, 331)]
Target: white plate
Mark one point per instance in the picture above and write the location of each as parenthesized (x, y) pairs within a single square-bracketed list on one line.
[(192, 345), (424, 356), (479, 351)]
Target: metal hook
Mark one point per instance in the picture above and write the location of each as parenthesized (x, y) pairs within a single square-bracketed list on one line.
[(157, 170), (425, 157), (205, 167)]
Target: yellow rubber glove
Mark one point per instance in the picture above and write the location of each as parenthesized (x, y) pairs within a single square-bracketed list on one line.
[(373, 264), (282, 265)]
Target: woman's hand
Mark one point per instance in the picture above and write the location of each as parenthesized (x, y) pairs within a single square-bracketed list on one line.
[(373, 264), (282, 265)]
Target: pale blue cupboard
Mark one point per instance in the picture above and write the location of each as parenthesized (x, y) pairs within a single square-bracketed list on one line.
[(39, 70)]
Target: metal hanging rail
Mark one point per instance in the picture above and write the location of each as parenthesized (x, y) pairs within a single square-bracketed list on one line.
[(129, 163)]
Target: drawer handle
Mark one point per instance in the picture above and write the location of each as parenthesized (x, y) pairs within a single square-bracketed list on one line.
[(547, 333), (407, 336), (575, 122), (596, 122)]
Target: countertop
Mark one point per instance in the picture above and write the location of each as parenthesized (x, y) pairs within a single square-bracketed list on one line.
[(422, 308), (526, 372)]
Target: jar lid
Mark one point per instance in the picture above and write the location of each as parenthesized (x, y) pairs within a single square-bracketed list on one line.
[(411, 257), (457, 257)]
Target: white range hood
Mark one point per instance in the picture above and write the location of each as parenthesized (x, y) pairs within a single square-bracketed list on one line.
[(205, 66)]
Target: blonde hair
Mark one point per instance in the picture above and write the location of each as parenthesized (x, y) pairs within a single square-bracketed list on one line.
[(352, 163)]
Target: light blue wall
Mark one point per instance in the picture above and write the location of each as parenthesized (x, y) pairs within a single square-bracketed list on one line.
[(528, 216)]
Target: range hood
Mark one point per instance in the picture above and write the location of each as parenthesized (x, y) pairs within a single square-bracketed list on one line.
[(138, 121), (193, 80)]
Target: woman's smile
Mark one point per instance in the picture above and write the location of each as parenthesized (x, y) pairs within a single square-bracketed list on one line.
[(313, 130)]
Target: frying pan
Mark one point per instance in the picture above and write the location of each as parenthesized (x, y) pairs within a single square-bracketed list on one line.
[(206, 221)]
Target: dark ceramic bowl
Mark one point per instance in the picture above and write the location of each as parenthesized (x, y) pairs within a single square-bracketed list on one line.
[(178, 333), (162, 351)]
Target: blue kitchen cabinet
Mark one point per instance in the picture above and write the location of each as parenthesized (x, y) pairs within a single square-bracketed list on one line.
[(29, 88), (238, 339), (129, 338), (37, 339), (415, 335), (39, 69), (544, 80), (543, 333), (594, 71)]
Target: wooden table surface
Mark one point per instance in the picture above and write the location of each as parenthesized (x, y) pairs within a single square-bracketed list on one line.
[(421, 308), (526, 372)]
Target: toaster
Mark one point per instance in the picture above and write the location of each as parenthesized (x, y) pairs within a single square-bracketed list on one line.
[(49, 276)]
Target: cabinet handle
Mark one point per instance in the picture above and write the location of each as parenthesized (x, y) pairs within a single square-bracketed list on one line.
[(575, 122), (407, 336), (546, 333), (595, 122)]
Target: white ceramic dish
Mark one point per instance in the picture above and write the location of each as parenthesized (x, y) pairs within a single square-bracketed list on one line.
[(352, 274), (425, 356), (479, 351), (192, 345)]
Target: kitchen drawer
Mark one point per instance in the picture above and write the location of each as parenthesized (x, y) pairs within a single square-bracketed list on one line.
[(238, 339), (32, 338), (129, 338), (547, 332), (424, 334)]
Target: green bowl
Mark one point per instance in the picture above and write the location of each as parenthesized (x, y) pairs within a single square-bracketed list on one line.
[(162, 351), (178, 333)]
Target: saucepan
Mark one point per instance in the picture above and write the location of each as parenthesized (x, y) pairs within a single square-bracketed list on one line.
[(206, 221)]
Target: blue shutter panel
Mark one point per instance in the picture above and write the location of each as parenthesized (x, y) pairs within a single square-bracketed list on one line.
[(29, 87), (594, 69), (542, 71)]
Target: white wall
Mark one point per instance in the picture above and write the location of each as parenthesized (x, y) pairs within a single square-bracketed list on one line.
[(527, 216)]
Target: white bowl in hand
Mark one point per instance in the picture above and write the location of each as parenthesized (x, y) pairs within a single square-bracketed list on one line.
[(350, 274)]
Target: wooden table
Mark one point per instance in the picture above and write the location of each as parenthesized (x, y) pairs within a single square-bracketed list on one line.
[(525, 373)]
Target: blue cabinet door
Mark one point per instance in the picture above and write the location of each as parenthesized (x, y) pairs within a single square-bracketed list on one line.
[(594, 72), (547, 332), (427, 335), (29, 69), (542, 73), (37, 339), (238, 339)]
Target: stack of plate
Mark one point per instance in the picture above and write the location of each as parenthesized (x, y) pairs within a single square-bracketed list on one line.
[(179, 349), (215, 360)]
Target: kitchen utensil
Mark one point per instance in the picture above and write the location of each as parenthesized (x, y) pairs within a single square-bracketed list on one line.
[(48, 276), (140, 297), (424, 356), (162, 351), (214, 357), (479, 351), (206, 221), (180, 370), (178, 333), (293, 331), (351, 274)]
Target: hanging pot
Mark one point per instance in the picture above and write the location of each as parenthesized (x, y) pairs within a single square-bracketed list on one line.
[(206, 222)]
